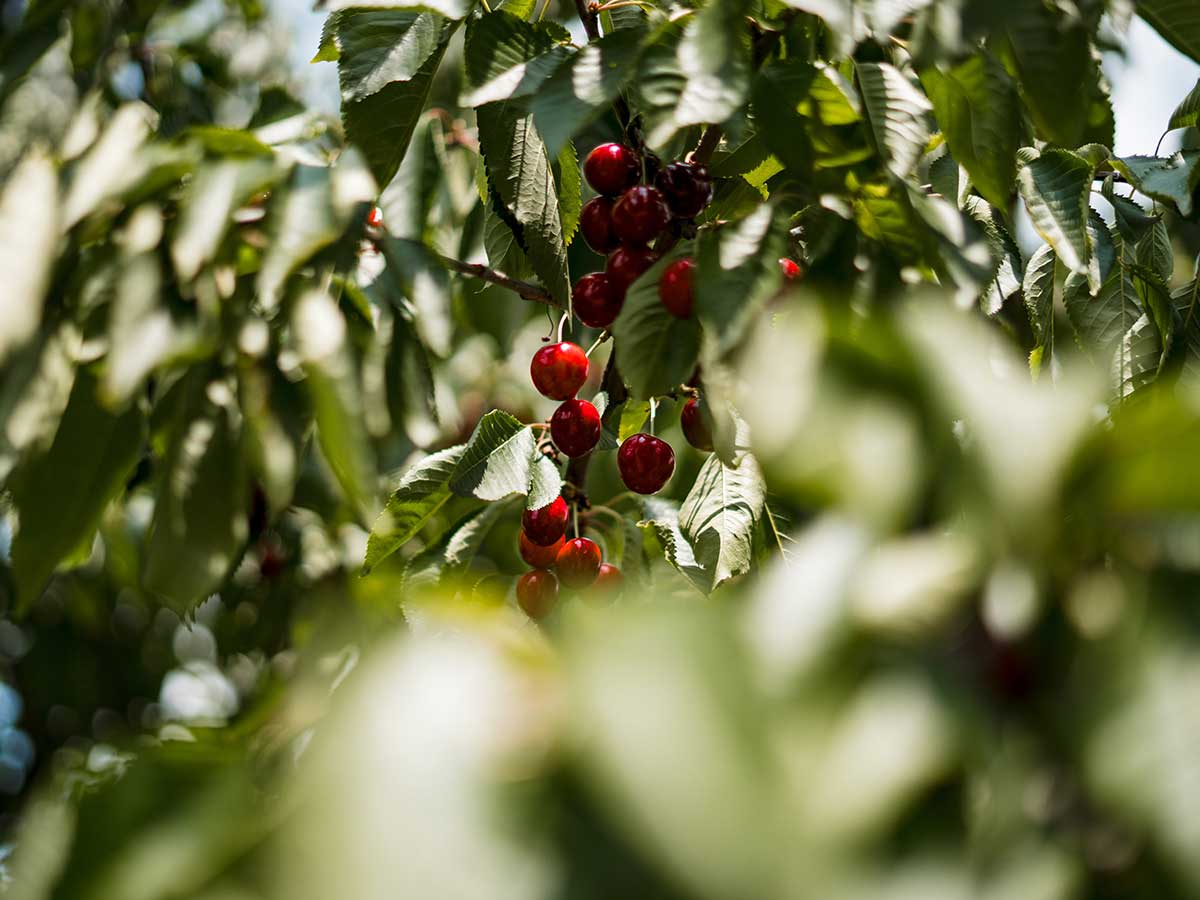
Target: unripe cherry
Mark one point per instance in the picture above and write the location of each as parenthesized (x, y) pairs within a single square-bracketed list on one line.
[(547, 524), (790, 268), (575, 427), (537, 592), (640, 215), (559, 370), (625, 264), (595, 300), (692, 419), (611, 168), (595, 224), (578, 562), (645, 462), (686, 187), (536, 555), (675, 288)]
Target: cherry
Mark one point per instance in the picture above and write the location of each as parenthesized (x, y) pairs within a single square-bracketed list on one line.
[(546, 525), (609, 580), (375, 217), (675, 288), (537, 592), (645, 462), (791, 268), (625, 264), (686, 188), (595, 300), (595, 224), (578, 562), (575, 427), (696, 428), (536, 555), (640, 215), (611, 168), (559, 370)]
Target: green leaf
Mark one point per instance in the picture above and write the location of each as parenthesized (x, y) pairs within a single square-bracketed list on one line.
[(1156, 252), (199, 523), (1101, 321), (426, 285), (1177, 21), (1171, 180), (1050, 50), (451, 9), (508, 58), (421, 493), (1056, 187), (498, 459), (898, 114), (519, 171), (720, 514), (1038, 288), (1009, 265), (411, 389), (1187, 113), (27, 247), (663, 522), (454, 552), (111, 166), (545, 483), (61, 493), (978, 109), (568, 175), (1186, 301), (777, 93), (1139, 357), (584, 86), (656, 351)]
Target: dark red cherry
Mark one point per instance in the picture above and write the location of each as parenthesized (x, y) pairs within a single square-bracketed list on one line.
[(375, 217), (694, 420), (536, 555), (640, 215), (686, 187), (791, 268), (537, 592), (675, 288), (625, 264), (578, 563), (546, 525), (609, 579), (595, 300), (575, 427), (645, 463), (595, 224), (611, 168), (559, 370)]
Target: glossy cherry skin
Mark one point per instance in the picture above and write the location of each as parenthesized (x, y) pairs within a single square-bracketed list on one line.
[(536, 555), (559, 370), (686, 187), (625, 264), (375, 217), (695, 427), (596, 301), (640, 215), (611, 168), (578, 563), (595, 224), (645, 462), (675, 288), (546, 525), (609, 579), (537, 592), (575, 427), (790, 268)]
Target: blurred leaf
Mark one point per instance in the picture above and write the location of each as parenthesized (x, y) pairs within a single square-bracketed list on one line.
[(28, 239), (1176, 21), (452, 9), (1187, 113), (1050, 50), (1056, 188), (112, 164), (421, 493), (426, 285), (898, 115), (455, 550), (508, 58)]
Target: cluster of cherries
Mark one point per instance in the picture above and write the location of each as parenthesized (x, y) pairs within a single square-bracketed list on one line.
[(577, 562)]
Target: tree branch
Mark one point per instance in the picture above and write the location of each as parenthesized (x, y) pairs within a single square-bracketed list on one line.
[(529, 291)]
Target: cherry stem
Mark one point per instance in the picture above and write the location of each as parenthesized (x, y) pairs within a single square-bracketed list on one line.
[(575, 518), (527, 290), (604, 336), (561, 324), (653, 408)]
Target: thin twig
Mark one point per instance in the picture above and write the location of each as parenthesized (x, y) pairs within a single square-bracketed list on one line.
[(532, 292)]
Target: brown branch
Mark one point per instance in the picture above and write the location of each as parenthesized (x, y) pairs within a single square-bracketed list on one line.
[(525, 289)]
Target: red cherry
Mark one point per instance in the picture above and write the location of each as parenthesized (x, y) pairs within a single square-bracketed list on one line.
[(695, 427), (791, 268), (675, 288), (611, 168), (375, 217), (686, 187), (535, 555), (640, 215), (559, 370), (596, 302), (595, 224), (578, 563), (645, 462), (625, 264), (537, 592), (575, 427), (610, 579), (546, 525)]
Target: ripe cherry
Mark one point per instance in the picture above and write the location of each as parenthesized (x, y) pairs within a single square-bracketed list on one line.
[(791, 268), (575, 428), (375, 217), (696, 428), (537, 592), (536, 555), (596, 301), (675, 288), (640, 215), (578, 562), (595, 224), (625, 264), (559, 370), (611, 168), (547, 524), (645, 463), (609, 580), (686, 188)]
